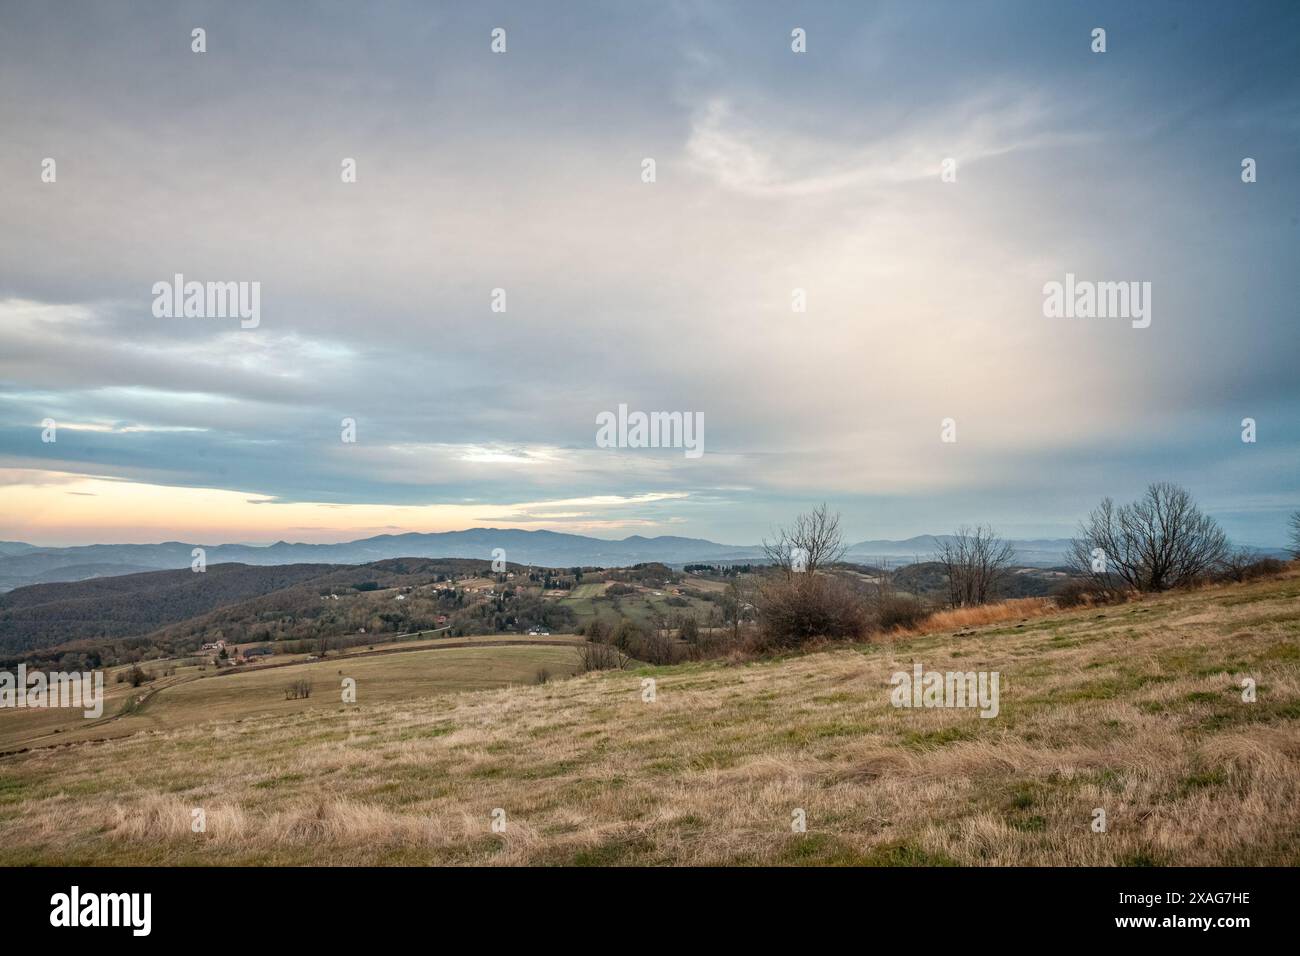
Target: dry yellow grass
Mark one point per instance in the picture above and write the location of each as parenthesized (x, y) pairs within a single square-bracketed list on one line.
[(1135, 709), (958, 619), (398, 672)]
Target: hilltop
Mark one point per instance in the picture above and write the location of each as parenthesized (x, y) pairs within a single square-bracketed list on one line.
[(1136, 709)]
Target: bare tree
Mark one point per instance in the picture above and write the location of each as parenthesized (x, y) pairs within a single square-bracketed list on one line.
[(975, 561), (814, 541), (601, 657), (736, 604), (1295, 534), (1236, 564), (1158, 542)]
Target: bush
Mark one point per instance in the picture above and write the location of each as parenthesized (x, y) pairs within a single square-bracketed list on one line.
[(717, 642), (900, 611), (601, 657), (657, 648), (796, 608), (1247, 565), (1076, 592), (1083, 592), (627, 635), (1265, 568)]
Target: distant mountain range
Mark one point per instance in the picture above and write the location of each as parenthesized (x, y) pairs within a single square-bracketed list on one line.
[(22, 564)]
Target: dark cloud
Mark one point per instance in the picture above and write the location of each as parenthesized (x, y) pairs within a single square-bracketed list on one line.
[(775, 171)]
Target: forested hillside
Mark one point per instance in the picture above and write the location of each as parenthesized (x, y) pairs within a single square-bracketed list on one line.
[(133, 604)]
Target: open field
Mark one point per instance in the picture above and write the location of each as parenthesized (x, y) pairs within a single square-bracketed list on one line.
[(1136, 709), (395, 672), (644, 607)]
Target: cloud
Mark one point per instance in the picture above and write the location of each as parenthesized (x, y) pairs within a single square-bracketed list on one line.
[(766, 162), (817, 172)]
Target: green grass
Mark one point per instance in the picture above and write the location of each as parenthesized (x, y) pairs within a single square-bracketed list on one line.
[(1137, 713)]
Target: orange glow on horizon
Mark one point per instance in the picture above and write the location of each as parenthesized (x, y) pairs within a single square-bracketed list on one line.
[(58, 509)]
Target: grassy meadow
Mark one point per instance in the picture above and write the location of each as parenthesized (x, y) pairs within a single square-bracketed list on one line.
[(1134, 708), (401, 672)]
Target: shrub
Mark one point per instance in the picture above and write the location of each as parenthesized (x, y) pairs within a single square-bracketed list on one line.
[(657, 648), (1076, 592), (796, 608), (1265, 568), (895, 611), (1248, 565), (601, 657), (627, 635)]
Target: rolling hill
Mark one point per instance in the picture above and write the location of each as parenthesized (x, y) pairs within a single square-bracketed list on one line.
[(133, 604), (23, 564), (1136, 709)]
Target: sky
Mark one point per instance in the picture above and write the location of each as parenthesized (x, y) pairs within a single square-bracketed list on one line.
[(774, 171)]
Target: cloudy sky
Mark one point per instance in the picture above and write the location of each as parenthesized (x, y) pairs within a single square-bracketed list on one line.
[(522, 171)]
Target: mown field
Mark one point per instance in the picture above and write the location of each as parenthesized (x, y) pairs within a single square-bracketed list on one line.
[(1135, 709)]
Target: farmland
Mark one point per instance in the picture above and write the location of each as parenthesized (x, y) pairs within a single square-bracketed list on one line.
[(190, 696), (1136, 709)]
